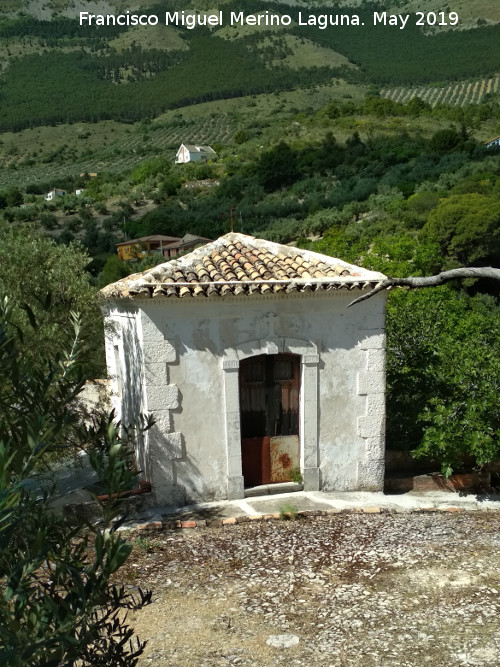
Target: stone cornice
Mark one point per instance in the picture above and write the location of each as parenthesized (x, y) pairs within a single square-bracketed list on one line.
[(140, 302)]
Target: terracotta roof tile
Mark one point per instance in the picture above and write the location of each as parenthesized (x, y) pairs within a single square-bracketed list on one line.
[(239, 264)]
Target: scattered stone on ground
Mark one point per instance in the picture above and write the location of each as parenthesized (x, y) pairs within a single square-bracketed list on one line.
[(282, 641), (391, 590)]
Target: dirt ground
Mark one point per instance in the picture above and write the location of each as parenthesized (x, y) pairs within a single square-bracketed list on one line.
[(349, 589)]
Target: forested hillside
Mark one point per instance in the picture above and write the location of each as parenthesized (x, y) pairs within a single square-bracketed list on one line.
[(91, 77), (285, 176)]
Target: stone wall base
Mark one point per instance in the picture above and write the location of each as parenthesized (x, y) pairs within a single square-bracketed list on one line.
[(479, 481)]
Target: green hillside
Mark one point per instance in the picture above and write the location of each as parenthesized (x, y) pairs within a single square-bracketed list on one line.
[(56, 71), (470, 11)]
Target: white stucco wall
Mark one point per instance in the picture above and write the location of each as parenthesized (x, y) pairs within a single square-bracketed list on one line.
[(179, 360), (124, 357), (182, 155)]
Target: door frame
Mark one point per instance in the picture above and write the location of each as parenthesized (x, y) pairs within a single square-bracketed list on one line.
[(308, 408)]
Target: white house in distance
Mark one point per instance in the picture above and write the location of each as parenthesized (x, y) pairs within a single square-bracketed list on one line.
[(254, 370), (192, 153), (55, 192)]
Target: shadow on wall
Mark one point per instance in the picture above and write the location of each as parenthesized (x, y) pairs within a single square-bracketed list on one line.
[(132, 399), (177, 480)]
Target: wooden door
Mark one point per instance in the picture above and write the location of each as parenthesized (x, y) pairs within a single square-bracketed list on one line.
[(269, 409)]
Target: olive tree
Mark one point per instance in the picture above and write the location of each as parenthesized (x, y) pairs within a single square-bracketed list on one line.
[(37, 272), (57, 605), (443, 368)]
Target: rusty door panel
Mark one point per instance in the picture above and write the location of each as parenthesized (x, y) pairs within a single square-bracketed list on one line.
[(256, 461), (284, 451)]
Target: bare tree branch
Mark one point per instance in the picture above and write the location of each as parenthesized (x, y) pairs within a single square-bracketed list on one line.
[(431, 281)]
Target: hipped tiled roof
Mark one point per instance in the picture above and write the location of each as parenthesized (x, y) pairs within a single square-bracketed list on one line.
[(237, 264)]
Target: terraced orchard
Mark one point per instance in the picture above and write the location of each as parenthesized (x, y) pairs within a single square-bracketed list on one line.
[(454, 94), (119, 150)]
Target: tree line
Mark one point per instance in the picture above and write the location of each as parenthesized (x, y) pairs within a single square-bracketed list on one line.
[(82, 83)]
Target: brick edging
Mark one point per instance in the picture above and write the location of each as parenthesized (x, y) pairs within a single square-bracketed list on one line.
[(176, 524)]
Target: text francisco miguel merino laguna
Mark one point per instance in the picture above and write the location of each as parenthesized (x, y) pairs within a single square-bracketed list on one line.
[(267, 18)]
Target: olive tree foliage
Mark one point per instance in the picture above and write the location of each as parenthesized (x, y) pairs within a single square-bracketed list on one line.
[(443, 368), (443, 349), (57, 606), (443, 375), (36, 271), (467, 228)]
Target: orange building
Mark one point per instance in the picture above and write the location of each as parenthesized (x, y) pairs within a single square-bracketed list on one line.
[(157, 244)]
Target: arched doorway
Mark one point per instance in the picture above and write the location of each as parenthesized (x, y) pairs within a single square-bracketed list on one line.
[(269, 410)]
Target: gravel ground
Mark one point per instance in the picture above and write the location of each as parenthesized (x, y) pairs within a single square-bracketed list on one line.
[(348, 589)]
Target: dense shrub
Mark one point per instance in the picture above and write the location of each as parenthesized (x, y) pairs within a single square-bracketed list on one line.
[(57, 605)]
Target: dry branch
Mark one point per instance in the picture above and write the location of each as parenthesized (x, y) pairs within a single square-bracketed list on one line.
[(431, 281)]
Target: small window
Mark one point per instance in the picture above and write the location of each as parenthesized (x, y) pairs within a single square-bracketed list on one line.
[(283, 369), (254, 372)]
